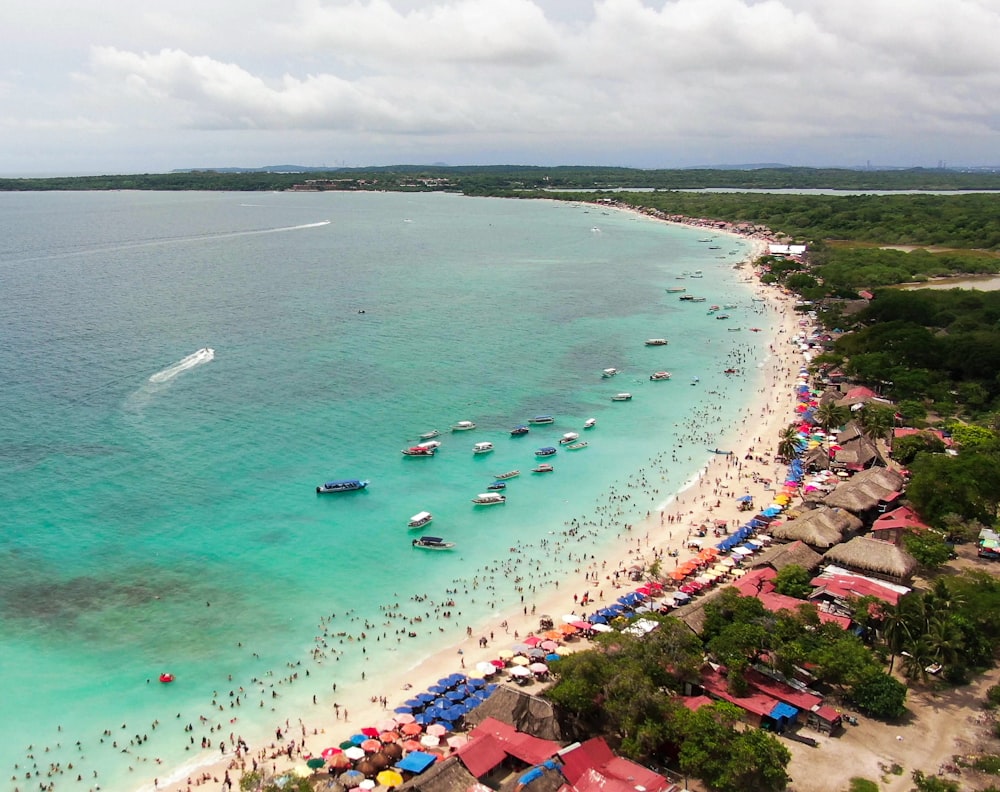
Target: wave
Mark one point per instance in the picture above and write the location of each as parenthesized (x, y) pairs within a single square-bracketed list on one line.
[(203, 355)]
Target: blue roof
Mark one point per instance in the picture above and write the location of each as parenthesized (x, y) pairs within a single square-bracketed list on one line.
[(782, 710)]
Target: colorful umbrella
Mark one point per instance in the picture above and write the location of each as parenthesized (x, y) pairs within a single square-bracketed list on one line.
[(339, 762), (316, 763), (411, 745), (388, 736), (370, 746), (403, 718), (370, 731), (538, 668), (520, 660), (354, 752), (328, 752), (436, 730), (430, 741), (411, 728), (389, 778)]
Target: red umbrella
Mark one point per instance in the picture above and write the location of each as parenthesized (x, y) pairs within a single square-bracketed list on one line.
[(411, 728), (328, 752), (389, 736), (498, 663), (370, 731), (532, 640), (370, 746), (412, 745)]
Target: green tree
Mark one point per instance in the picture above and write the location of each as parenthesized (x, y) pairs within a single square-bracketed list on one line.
[(879, 695), (927, 547), (905, 449), (875, 421), (831, 416), (793, 581), (788, 442)]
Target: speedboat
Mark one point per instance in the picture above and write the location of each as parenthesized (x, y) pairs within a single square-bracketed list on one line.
[(590, 423), (699, 299), (658, 376), (489, 499), (497, 486), (577, 446), (541, 419), (543, 468), (432, 543), (430, 435), (609, 372), (508, 475), (730, 306), (695, 380), (343, 485), (656, 342), (519, 431), (545, 451), (463, 426), (420, 519), (722, 316), (676, 289), (622, 397), (687, 297), (419, 451), (482, 448), (569, 437)]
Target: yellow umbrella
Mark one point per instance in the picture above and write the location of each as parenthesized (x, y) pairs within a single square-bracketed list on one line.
[(389, 778), (520, 660), (505, 654)]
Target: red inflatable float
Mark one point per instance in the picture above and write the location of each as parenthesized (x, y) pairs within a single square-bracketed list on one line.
[(166, 677)]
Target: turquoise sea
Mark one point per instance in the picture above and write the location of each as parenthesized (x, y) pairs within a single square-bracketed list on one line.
[(158, 503)]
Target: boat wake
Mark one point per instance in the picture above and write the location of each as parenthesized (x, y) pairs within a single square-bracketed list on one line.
[(202, 356)]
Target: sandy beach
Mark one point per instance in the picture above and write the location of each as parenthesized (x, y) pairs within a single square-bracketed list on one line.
[(712, 497)]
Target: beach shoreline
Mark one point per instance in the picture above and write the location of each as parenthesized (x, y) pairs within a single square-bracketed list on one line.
[(707, 497)]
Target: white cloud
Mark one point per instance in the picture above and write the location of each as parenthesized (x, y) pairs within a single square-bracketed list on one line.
[(641, 82)]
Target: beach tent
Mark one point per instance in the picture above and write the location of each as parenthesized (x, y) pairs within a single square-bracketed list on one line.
[(416, 762)]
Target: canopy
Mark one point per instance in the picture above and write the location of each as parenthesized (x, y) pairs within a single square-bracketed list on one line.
[(416, 762)]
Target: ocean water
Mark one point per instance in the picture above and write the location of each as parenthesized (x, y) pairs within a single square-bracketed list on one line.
[(157, 500)]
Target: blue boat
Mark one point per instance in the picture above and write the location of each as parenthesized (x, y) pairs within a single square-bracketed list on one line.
[(546, 451), (497, 485), (343, 485)]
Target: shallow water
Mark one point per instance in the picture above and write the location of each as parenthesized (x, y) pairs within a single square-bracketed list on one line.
[(181, 371)]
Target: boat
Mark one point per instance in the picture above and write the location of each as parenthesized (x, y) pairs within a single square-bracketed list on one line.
[(735, 329), (698, 273), (699, 299), (463, 426), (545, 451), (519, 431), (430, 435), (420, 519), (686, 297), (419, 451), (577, 446), (497, 485), (569, 437), (543, 468), (166, 677), (622, 397), (715, 247), (609, 372), (713, 308), (658, 376), (694, 380), (731, 371), (722, 316), (429, 444), (432, 543), (730, 306), (482, 448), (489, 499), (676, 289), (590, 423), (541, 419), (342, 485), (508, 475), (656, 342)]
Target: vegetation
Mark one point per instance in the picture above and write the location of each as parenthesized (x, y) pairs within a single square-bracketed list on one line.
[(862, 785)]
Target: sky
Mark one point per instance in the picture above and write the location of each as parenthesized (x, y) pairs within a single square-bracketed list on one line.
[(126, 86)]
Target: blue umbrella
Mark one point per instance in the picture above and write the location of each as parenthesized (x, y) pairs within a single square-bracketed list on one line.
[(449, 726), (597, 618), (477, 682), (483, 694), (421, 718), (551, 658), (457, 678), (415, 703), (425, 698), (357, 739), (446, 682), (441, 702), (403, 710), (438, 689), (454, 695)]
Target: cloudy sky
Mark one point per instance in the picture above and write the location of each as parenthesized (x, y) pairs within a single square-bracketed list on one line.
[(112, 86)]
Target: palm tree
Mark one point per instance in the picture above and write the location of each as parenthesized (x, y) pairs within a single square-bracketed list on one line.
[(895, 630), (875, 421), (831, 416), (788, 442)]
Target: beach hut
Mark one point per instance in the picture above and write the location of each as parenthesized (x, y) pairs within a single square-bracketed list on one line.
[(873, 557), (524, 712), (820, 528)]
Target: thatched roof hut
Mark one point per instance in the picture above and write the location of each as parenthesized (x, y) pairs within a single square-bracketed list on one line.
[(526, 713), (873, 557), (859, 453), (820, 528), (447, 776), (781, 555), (864, 491), (816, 458)]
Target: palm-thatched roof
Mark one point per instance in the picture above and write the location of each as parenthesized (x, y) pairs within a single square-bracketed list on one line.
[(859, 453), (693, 614), (874, 557), (781, 555), (526, 713), (865, 490), (816, 458), (851, 431), (447, 776), (822, 527)]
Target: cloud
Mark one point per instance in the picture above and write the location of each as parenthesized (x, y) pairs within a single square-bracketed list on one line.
[(622, 80)]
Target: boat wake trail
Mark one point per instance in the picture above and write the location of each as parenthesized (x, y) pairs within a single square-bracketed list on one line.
[(203, 355)]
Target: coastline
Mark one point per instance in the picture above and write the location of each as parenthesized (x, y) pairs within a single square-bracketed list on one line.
[(706, 497)]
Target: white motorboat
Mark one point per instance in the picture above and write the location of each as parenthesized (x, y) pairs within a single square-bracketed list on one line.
[(543, 468), (463, 426), (489, 499), (590, 423), (429, 444), (343, 485), (569, 437), (622, 397), (541, 419), (658, 376), (430, 435), (656, 342), (609, 372), (420, 519), (482, 448), (432, 543)]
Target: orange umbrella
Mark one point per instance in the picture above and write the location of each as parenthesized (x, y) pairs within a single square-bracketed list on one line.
[(677, 574), (412, 745), (411, 729), (388, 736), (567, 629), (553, 635)]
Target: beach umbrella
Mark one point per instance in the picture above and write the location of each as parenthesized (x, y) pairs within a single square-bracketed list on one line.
[(404, 717), (455, 695), (354, 753), (328, 752), (437, 689), (339, 762), (536, 653), (411, 728), (350, 779), (394, 751), (532, 640), (484, 693), (551, 658), (366, 767), (316, 763), (568, 630), (389, 778), (412, 745), (367, 784), (549, 646), (358, 738), (380, 760), (601, 627), (581, 625), (386, 724), (430, 741), (520, 661), (538, 668), (520, 648), (425, 698), (346, 744), (520, 671), (446, 681), (436, 730), (505, 654), (388, 736), (569, 618), (476, 682), (457, 740), (369, 731), (552, 635), (498, 663)]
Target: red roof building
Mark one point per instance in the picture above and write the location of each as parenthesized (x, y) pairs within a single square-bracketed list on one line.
[(593, 764), (892, 526), (843, 585), (493, 740), (759, 583)]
